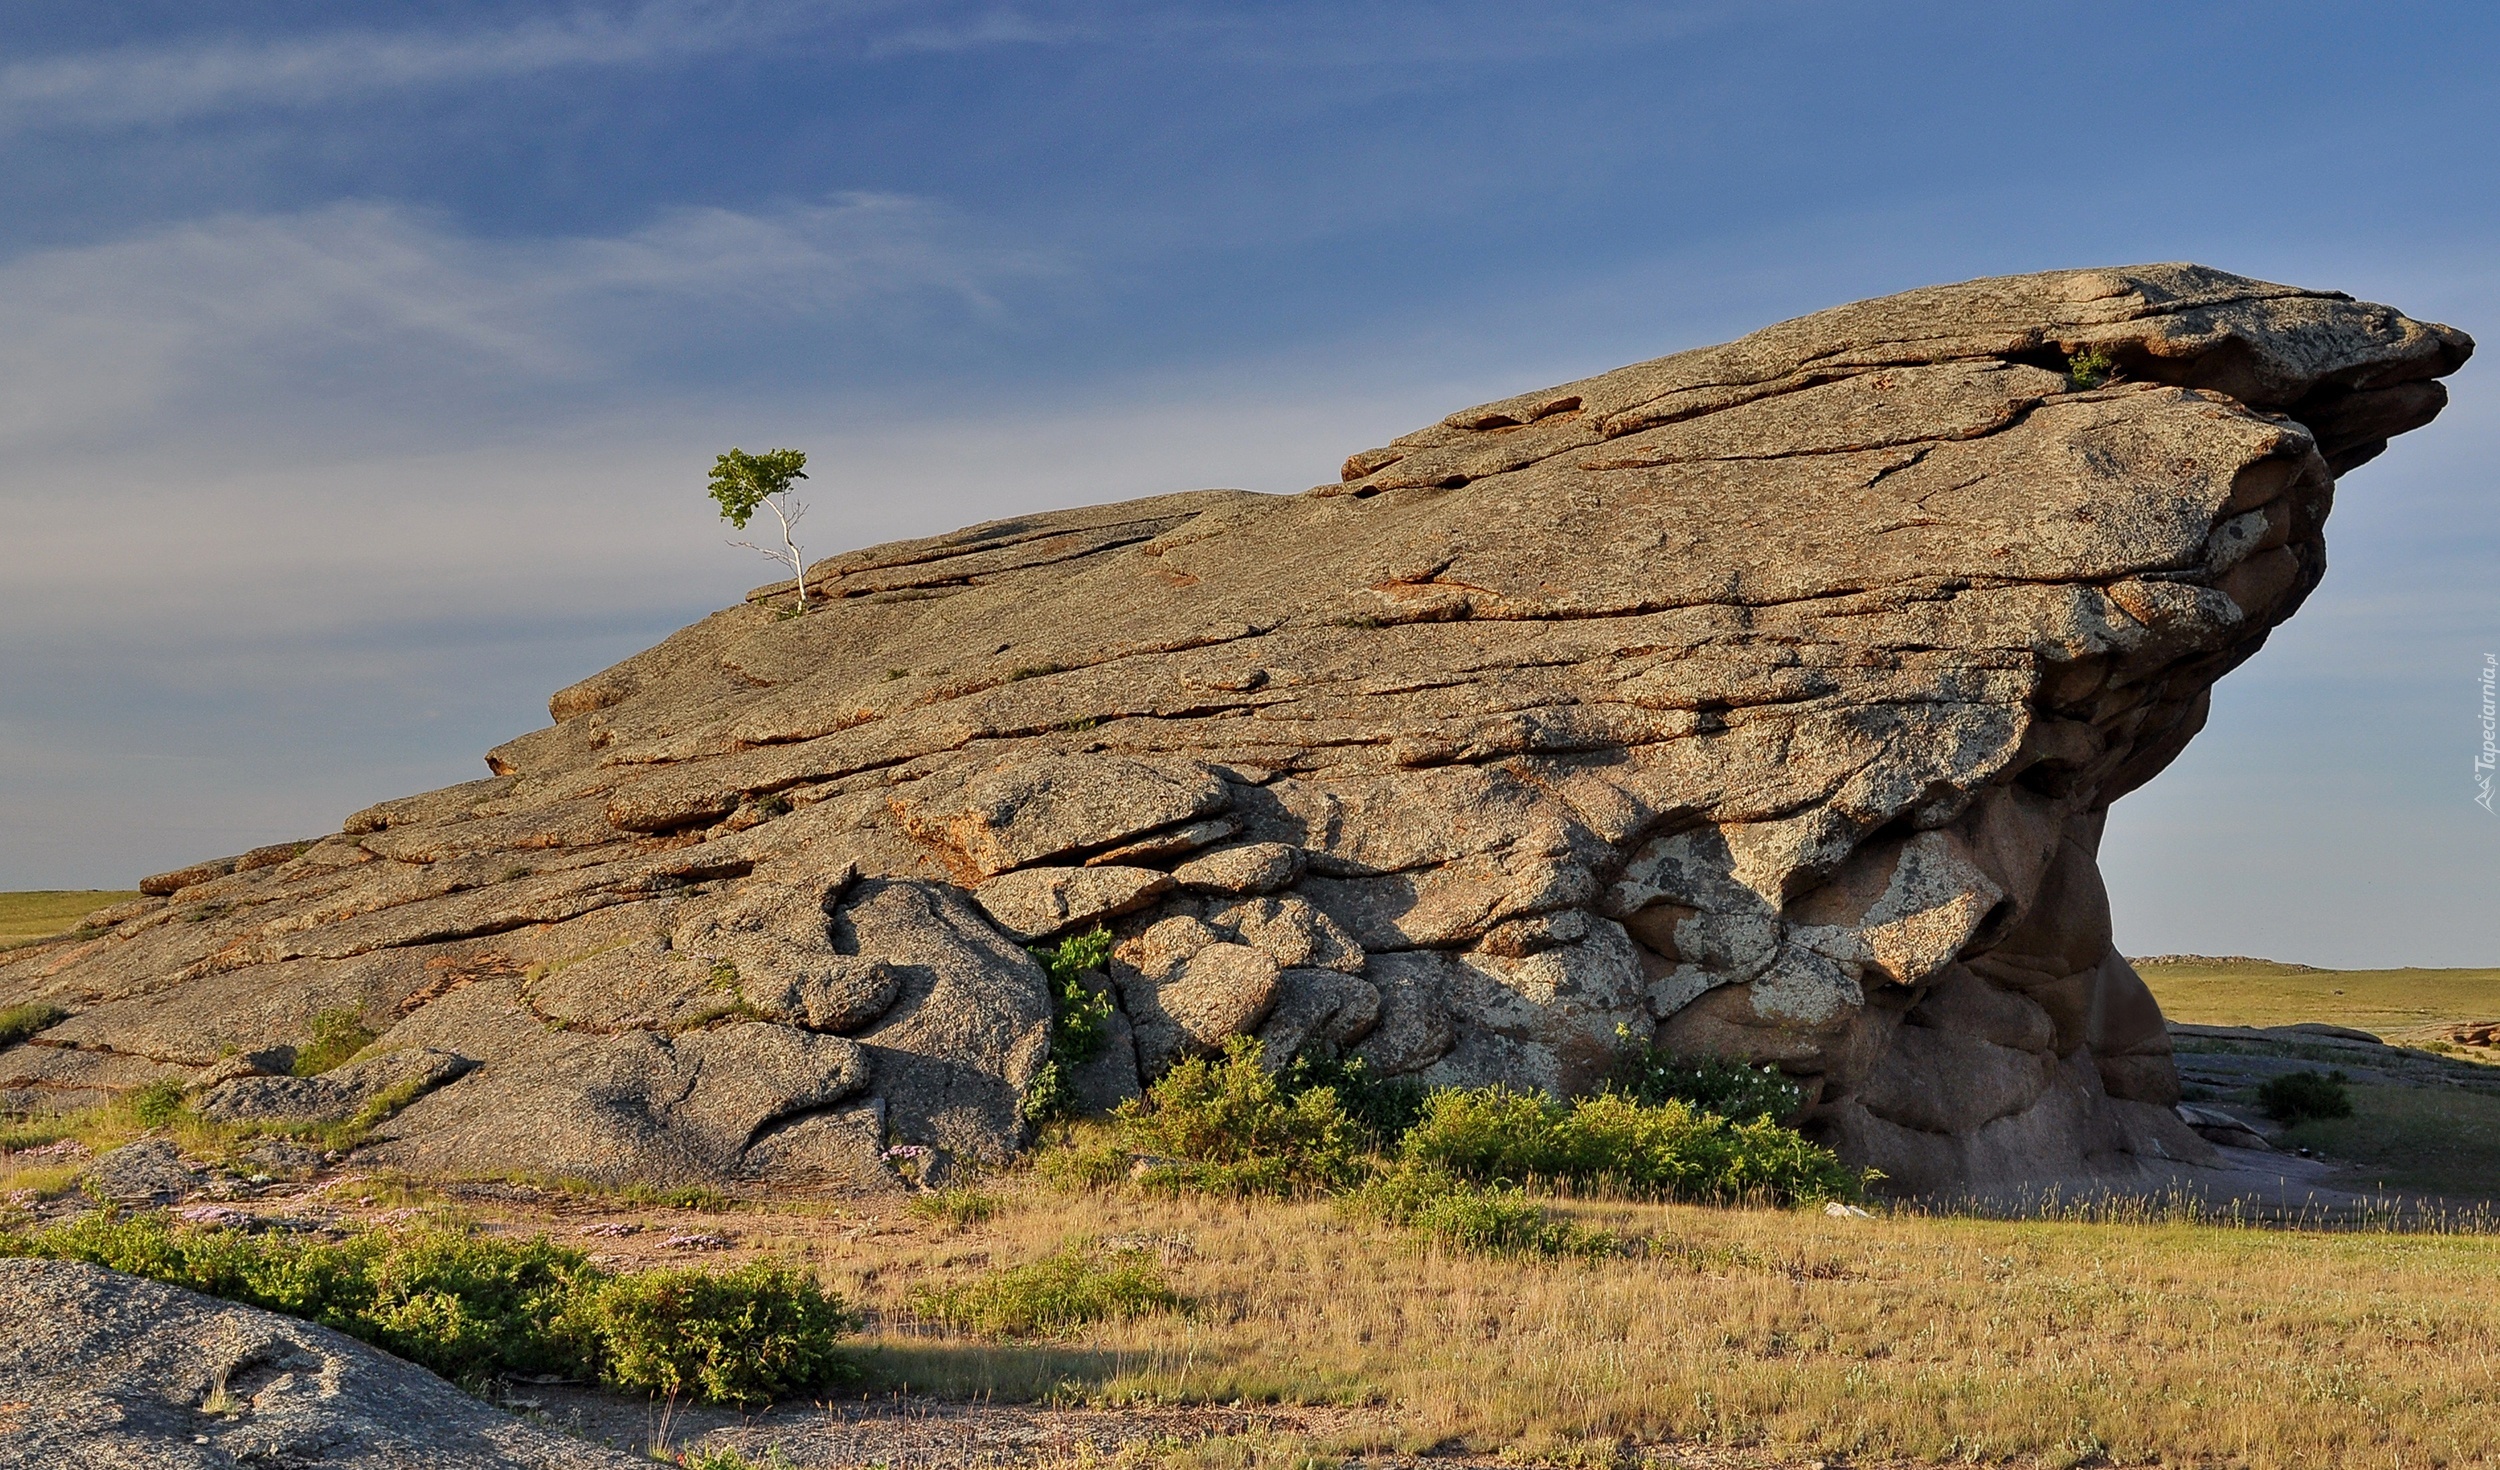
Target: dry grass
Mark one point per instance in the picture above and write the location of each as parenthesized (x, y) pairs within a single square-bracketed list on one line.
[(1758, 1333), (2443, 1141), (2387, 1002), (96, 1128), (1802, 1334), (37, 915), (41, 1157), (41, 1154), (1795, 1335)]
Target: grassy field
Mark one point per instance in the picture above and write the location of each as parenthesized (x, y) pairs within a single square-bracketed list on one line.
[(1785, 1336), (2425, 1119), (1799, 1333), (2437, 1141), (2388, 1002), (38, 914), (1768, 1335)]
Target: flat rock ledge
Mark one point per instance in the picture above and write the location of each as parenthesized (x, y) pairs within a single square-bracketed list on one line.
[(101, 1369), (1764, 700)]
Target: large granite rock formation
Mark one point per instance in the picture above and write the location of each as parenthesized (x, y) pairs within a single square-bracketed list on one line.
[(1765, 699)]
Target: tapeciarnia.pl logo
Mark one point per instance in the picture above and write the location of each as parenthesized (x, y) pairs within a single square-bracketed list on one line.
[(2485, 758)]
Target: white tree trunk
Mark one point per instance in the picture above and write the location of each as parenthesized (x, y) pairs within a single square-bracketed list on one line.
[(798, 562)]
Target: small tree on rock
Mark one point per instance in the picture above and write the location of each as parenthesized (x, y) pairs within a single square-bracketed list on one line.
[(744, 483)]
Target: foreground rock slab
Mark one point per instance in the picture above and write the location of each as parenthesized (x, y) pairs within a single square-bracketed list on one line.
[(101, 1369), (1764, 700)]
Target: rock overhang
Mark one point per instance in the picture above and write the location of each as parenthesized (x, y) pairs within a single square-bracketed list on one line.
[(1763, 699)]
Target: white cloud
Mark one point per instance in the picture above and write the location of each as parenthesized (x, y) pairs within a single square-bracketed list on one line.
[(139, 86), (150, 86), (303, 309), (817, 258), (999, 27)]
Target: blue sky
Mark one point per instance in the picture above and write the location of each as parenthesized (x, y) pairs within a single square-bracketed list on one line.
[(359, 365)]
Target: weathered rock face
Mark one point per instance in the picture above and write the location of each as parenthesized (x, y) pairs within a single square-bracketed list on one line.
[(1765, 699), (98, 1368)]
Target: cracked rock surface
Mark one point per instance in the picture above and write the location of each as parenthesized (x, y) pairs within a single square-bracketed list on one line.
[(98, 1368), (1765, 700)]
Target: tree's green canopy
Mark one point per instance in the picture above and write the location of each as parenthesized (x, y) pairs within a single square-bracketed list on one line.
[(743, 481)]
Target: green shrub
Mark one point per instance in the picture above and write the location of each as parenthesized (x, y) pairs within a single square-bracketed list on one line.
[(140, 1245), (1488, 1133), (1080, 1021), (1488, 1221), (336, 1036), (1226, 1126), (1720, 1085), (472, 1307), (2297, 1096), (156, 1104), (1067, 1289), (461, 1306), (467, 1307), (1505, 1222), (1665, 1150), (19, 1022), (1381, 1108), (746, 1336), (2089, 368)]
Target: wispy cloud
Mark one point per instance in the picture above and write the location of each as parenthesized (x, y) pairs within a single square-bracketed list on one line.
[(1002, 26), (302, 308), (139, 86), (145, 86)]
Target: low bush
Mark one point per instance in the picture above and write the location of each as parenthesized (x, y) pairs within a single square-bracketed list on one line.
[(2298, 1096), (1080, 1021), (2089, 368), (1067, 1289), (467, 1307), (744, 1336), (19, 1022), (1381, 1108), (1709, 1084), (155, 1105), (336, 1036), (473, 1307), (1499, 1220), (1665, 1150), (1226, 1125), (1505, 1222)]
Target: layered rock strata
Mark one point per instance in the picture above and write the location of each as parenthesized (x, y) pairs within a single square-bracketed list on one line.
[(1763, 700)]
